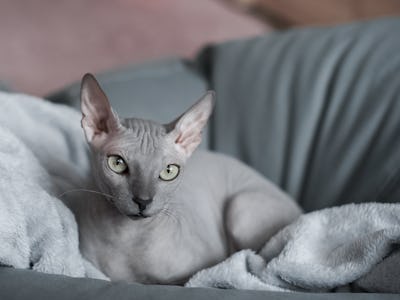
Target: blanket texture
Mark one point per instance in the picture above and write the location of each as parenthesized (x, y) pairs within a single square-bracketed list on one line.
[(347, 248), (42, 153)]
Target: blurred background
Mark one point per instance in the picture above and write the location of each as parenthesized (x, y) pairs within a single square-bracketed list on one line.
[(47, 44)]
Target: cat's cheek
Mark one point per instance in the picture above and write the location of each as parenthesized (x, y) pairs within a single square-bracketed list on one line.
[(126, 207), (156, 211), (167, 188)]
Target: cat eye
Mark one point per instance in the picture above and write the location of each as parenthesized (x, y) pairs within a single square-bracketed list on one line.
[(170, 172), (117, 164)]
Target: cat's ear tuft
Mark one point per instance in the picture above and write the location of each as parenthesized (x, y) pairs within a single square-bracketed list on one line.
[(98, 118), (186, 130)]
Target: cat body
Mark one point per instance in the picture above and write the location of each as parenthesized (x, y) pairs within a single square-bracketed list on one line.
[(169, 248), (166, 211)]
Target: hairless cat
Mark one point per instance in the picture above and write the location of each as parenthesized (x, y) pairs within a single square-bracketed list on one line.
[(165, 211)]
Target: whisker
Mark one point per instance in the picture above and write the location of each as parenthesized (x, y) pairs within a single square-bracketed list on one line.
[(88, 191), (166, 210), (170, 214)]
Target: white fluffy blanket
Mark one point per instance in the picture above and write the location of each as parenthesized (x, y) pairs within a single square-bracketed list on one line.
[(42, 153), (347, 248)]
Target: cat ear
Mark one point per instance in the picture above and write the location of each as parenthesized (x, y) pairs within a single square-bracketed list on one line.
[(186, 130), (98, 118)]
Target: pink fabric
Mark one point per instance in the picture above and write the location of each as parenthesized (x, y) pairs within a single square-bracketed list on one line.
[(46, 44)]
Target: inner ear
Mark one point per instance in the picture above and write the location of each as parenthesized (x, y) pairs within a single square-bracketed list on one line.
[(186, 130), (98, 118)]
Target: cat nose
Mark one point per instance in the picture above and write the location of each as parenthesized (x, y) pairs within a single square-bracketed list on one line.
[(142, 203)]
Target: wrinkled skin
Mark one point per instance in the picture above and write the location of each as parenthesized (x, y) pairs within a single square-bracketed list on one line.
[(216, 204)]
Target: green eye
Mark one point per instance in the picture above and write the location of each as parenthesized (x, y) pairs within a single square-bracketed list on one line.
[(117, 164), (170, 172)]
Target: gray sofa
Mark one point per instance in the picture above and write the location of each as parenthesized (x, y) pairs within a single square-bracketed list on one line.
[(316, 110)]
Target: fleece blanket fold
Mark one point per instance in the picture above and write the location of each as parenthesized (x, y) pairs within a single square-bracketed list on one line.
[(347, 248), (42, 153)]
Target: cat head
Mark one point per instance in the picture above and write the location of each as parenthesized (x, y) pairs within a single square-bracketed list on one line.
[(139, 163)]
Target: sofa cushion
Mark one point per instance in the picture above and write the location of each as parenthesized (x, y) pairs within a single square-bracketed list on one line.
[(316, 110), (30, 285)]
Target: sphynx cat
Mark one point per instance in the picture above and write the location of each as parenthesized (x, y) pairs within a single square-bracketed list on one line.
[(166, 211)]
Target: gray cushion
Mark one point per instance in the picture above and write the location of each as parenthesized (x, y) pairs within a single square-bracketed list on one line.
[(4, 87), (316, 110), (30, 285)]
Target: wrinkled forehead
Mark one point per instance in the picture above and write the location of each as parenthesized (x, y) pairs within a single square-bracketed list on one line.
[(140, 137)]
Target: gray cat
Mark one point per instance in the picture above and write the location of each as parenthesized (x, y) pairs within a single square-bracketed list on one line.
[(166, 211)]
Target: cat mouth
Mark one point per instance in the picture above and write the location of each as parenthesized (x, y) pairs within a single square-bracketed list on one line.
[(138, 216)]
